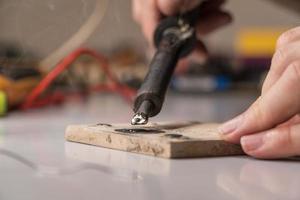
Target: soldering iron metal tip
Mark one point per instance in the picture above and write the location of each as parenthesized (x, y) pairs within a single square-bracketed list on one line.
[(139, 119)]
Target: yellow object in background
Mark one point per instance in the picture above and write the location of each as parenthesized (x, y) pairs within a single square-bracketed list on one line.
[(16, 90), (3, 103), (257, 42)]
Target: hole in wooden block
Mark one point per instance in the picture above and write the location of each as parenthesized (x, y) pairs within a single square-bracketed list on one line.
[(176, 136), (139, 130), (101, 124)]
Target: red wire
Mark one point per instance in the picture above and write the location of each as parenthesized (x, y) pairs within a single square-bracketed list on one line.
[(32, 99)]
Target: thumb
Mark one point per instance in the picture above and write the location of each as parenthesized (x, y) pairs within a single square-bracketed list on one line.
[(276, 143), (278, 105)]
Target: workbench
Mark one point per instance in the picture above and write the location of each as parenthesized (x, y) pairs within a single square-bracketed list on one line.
[(37, 163)]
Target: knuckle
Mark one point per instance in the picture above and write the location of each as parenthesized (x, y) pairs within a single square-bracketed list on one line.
[(287, 36), (283, 138), (257, 115), (294, 70), (279, 56), (293, 81)]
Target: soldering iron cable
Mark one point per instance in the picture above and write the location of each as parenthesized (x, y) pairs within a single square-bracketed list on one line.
[(75, 41)]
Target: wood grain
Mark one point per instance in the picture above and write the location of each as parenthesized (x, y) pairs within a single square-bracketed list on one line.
[(168, 140)]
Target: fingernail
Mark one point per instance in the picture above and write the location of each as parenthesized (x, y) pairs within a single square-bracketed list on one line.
[(230, 126), (252, 142)]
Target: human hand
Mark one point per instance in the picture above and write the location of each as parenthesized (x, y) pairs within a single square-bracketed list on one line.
[(270, 128), (148, 13)]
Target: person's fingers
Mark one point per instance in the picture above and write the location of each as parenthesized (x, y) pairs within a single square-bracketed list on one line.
[(148, 29), (281, 59), (147, 15), (275, 143), (137, 9), (212, 21), (294, 120), (278, 105), (200, 53), (169, 7), (288, 37), (182, 66), (173, 7), (208, 6)]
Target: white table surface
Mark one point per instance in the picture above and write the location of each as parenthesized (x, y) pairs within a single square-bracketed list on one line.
[(37, 163)]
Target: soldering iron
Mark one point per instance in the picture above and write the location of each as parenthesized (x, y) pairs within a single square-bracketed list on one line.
[(174, 38)]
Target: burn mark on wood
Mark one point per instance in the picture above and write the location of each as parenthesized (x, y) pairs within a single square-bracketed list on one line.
[(102, 124), (175, 136), (139, 130)]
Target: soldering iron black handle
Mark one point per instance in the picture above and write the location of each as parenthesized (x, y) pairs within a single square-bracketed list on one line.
[(160, 72), (170, 47)]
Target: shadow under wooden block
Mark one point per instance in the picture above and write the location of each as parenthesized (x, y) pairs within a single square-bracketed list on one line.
[(168, 140)]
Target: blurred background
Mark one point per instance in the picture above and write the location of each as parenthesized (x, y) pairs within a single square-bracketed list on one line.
[(36, 35), (38, 27)]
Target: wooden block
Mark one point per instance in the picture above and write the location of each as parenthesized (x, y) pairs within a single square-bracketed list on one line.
[(168, 140)]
